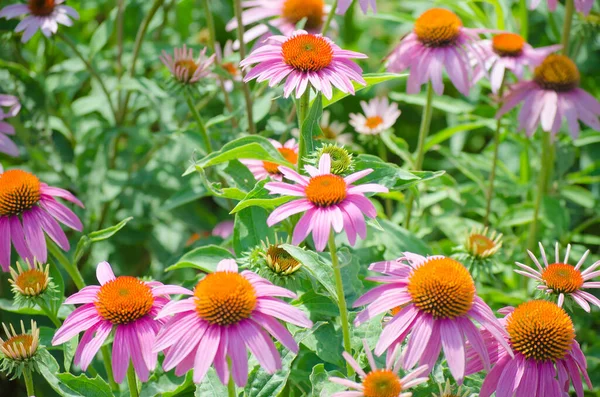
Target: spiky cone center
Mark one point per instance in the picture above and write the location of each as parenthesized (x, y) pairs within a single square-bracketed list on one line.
[(31, 282), (558, 73), (381, 383), (341, 160), (289, 154), (296, 10), (224, 298), (41, 8), (508, 44), (479, 244), (231, 68), (442, 287), (540, 330), (373, 122), (438, 27), (307, 53), (280, 261), (124, 300), (326, 190), (189, 66), (19, 191), (562, 278), (20, 346)]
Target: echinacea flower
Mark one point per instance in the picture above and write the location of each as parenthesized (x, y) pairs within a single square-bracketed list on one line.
[(304, 59), (184, 67), (584, 6), (279, 260), (223, 229), (124, 304), (28, 209), (343, 6), (562, 279), (333, 130), (265, 169), (509, 51), (44, 15), (30, 282), (438, 306), (545, 357), (21, 351), (482, 243), (223, 59), (552, 95), (328, 200), (379, 115), (383, 382), (227, 313), (12, 103), (439, 41), (342, 160)]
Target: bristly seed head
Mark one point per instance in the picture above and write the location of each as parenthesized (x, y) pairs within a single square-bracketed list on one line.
[(124, 300), (307, 53), (381, 383), (558, 73), (296, 10), (438, 27), (326, 190), (562, 278), (508, 44), (19, 192)]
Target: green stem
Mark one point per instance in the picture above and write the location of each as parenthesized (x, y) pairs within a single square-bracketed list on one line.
[(231, 392), (490, 192), (240, 34), (543, 178), (523, 14), (201, 126), (132, 381), (389, 209), (302, 111), (329, 18), (49, 313), (70, 268), (423, 132), (106, 357), (569, 11), (28, 381), (339, 285)]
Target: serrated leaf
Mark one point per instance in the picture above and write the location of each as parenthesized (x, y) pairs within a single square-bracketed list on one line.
[(89, 387), (372, 79), (211, 386)]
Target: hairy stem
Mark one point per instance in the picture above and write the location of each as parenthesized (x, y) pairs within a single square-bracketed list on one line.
[(132, 381), (569, 11), (28, 381), (302, 112), (70, 268)]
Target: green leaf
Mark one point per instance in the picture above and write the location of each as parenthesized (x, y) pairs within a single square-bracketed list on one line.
[(449, 132), (444, 103), (203, 258), (211, 385), (89, 387), (260, 197), (317, 305), (311, 129), (578, 195), (397, 240), (250, 229), (387, 174), (372, 79), (102, 34), (49, 370), (321, 385), (107, 233)]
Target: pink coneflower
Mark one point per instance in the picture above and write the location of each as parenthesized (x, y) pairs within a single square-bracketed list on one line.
[(28, 208), (439, 41), (223, 229), (184, 67), (127, 305), (228, 313), (584, 6), (435, 301), (44, 15), (6, 145), (545, 357), (378, 382), (265, 169), (552, 95), (304, 59), (509, 51), (223, 57), (329, 200), (343, 6), (283, 15), (379, 116), (560, 278)]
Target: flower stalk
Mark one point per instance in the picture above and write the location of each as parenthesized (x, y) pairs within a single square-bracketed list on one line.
[(569, 11), (247, 95), (543, 179), (28, 376), (106, 357), (303, 105), (327, 23), (132, 382), (201, 125)]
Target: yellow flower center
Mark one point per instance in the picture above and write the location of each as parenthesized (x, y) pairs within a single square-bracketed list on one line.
[(41, 8), (562, 278), (224, 298), (280, 261), (438, 27), (189, 65), (381, 383), (287, 153), (307, 53), (373, 122), (480, 243), (540, 330), (19, 191), (558, 73), (19, 347), (32, 282), (124, 300), (442, 287), (313, 10), (508, 44), (326, 190)]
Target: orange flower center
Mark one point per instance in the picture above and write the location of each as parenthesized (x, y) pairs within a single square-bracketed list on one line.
[(396, 310), (230, 68), (381, 383), (438, 27), (224, 298), (41, 8), (540, 330), (326, 190), (19, 191), (562, 278), (189, 65), (508, 44), (373, 122), (124, 300), (442, 287), (307, 52), (280, 260), (32, 282), (558, 73), (287, 153), (20, 346), (296, 10), (480, 243)]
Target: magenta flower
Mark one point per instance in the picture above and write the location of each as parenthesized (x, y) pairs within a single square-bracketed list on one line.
[(228, 312), (562, 279), (379, 115), (125, 304), (265, 169), (6, 145), (545, 357), (584, 6), (434, 300), (304, 59), (184, 67), (552, 95), (223, 229), (43, 15), (328, 200), (439, 41), (343, 6), (28, 209)]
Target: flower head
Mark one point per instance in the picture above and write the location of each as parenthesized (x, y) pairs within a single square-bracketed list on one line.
[(379, 115), (438, 305), (12, 103), (439, 41), (44, 15), (223, 58), (552, 95), (304, 58), (30, 282), (562, 279), (28, 209), (279, 260), (20, 350), (227, 313), (184, 67), (482, 244), (584, 6), (265, 169), (328, 200), (342, 160), (343, 6)]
